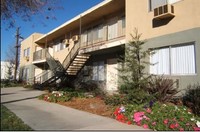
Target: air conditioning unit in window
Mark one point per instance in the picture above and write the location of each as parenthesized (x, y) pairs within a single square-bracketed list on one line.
[(163, 12), (26, 58), (75, 38), (66, 41)]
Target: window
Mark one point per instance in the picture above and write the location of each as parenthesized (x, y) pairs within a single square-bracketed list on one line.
[(123, 22), (27, 52), (174, 60), (160, 61), (25, 74), (59, 46), (156, 3), (84, 37), (98, 71), (113, 30), (90, 36)]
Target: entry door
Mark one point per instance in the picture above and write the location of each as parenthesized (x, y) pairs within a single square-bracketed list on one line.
[(112, 75)]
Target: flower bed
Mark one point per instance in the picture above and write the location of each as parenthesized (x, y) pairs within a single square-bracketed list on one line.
[(60, 96), (158, 116)]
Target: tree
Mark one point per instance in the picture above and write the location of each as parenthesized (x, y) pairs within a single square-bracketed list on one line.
[(132, 71), (9, 73), (11, 9), (10, 58)]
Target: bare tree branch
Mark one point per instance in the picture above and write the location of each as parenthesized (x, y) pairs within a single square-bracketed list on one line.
[(24, 9)]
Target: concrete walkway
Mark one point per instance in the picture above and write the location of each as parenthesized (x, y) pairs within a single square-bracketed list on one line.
[(41, 115)]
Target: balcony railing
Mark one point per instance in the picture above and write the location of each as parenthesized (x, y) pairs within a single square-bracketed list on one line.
[(39, 55)]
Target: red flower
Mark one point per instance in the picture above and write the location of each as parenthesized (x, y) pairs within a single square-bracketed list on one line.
[(172, 126), (165, 121), (116, 111), (129, 122), (181, 129)]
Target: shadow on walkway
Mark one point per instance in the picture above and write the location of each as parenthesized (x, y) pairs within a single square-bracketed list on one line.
[(7, 94), (18, 100)]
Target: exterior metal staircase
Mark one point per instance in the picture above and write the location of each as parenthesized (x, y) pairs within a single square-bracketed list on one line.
[(74, 61), (70, 67)]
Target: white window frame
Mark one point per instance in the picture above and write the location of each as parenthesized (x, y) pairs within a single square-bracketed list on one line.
[(177, 52)]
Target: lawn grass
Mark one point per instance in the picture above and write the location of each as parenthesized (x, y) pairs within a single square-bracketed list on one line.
[(9, 121)]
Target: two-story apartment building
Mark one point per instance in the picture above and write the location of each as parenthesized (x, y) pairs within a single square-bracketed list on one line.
[(88, 46), (27, 69)]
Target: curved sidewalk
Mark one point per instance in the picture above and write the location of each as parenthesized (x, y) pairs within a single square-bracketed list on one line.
[(41, 115)]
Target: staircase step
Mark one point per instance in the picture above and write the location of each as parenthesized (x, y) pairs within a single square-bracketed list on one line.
[(73, 74), (82, 57), (86, 55), (77, 59), (77, 64), (73, 70)]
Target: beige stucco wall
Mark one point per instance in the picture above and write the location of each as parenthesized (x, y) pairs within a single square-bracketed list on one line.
[(28, 42), (187, 16), (62, 54)]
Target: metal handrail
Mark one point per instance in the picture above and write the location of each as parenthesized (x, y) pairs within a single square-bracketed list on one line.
[(71, 55)]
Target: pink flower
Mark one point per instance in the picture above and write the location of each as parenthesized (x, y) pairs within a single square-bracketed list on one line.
[(196, 128), (138, 116), (146, 118), (187, 124), (138, 123), (145, 126), (181, 129), (148, 110), (154, 123), (165, 121), (176, 125)]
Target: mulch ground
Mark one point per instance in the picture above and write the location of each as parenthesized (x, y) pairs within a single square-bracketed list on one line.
[(92, 105)]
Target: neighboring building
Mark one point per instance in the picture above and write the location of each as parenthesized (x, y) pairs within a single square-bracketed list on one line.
[(7, 71), (28, 47), (88, 46)]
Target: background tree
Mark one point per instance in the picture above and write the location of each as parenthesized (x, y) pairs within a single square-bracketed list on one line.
[(10, 58), (24, 9), (10, 72)]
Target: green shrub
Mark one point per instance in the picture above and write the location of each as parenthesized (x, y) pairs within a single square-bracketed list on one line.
[(163, 89), (60, 96), (64, 99), (114, 100), (192, 98)]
